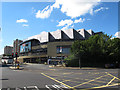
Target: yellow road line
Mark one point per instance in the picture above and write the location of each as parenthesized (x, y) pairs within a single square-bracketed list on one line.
[(89, 81), (58, 81), (111, 81), (104, 86), (101, 86), (112, 75)]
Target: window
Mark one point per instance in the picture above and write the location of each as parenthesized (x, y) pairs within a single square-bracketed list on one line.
[(25, 47), (63, 49)]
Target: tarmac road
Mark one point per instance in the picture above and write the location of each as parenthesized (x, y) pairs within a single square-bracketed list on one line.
[(43, 76)]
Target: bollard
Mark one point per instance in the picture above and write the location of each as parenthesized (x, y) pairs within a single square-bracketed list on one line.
[(18, 66)]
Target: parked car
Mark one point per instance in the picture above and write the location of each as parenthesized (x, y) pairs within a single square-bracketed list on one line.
[(109, 66)]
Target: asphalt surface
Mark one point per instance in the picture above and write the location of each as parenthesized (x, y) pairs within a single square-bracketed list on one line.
[(54, 78)]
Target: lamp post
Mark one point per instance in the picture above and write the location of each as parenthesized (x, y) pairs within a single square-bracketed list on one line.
[(61, 53), (79, 62), (80, 59)]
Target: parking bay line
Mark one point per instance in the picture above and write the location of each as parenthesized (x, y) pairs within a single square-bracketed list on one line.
[(58, 81), (108, 85), (111, 81), (112, 75), (102, 86), (89, 81)]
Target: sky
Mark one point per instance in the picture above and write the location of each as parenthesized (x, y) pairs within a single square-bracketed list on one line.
[(21, 20)]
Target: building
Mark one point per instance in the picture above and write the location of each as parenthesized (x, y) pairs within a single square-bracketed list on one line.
[(8, 50), (51, 45), (16, 47)]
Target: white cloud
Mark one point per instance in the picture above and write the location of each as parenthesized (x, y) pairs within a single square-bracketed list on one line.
[(22, 21), (75, 8), (72, 8), (65, 27), (79, 20), (25, 25), (45, 13), (102, 8), (69, 23), (65, 22), (91, 11), (117, 34)]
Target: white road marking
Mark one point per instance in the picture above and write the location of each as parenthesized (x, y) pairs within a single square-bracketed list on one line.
[(58, 87), (47, 87), (31, 87)]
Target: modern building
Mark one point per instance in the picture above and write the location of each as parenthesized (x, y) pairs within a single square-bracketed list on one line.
[(16, 47), (8, 50), (53, 45)]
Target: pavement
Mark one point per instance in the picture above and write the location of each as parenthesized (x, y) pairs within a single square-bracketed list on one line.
[(58, 66), (15, 68), (84, 68), (63, 67)]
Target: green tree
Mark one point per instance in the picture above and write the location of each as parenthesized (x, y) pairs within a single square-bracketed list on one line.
[(92, 51), (114, 50)]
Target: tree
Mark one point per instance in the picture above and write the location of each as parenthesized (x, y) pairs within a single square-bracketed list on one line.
[(114, 50), (92, 51)]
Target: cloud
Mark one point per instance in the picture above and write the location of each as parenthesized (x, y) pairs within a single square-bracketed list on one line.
[(79, 20), (76, 8), (65, 22), (45, 13), (25, 25), (117, 34), (91, 11), (72, 8), (102, 8), (65, 27), (22, 21)]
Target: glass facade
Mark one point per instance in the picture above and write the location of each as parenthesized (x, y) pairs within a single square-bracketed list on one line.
[(25, 47), (63, 49)]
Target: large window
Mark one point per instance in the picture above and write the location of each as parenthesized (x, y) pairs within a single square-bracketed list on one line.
[(25, 47), (63, 49)]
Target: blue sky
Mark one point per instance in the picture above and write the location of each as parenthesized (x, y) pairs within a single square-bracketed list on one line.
[(25, 19)]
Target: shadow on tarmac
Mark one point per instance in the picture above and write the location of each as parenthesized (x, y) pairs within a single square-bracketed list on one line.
[(5, 65)]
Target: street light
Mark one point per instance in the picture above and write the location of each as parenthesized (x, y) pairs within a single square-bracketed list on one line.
[(61, 53), (79, 62), (80, 59)]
